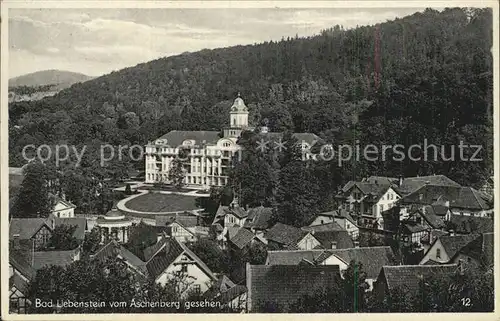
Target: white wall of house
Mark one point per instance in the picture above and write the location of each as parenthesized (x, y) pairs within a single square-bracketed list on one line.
[(352, 229), (334, 260), (181, 234), (466, 212), (231, 220), (385, 202), (309, 242), (61, 210), (194, 274), (436, 253)]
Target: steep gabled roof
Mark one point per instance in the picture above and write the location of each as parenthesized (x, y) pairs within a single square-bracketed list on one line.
[(22, 263), (328, 238), (150, 251), (19, 283), (454, 243), (480, 249), (222, 284), (169, 252), (410, 276), (114, 249), (259, 218), (285, 284), (25, 227), (371, 258), (373, 191), (242, 238), (285, 234)]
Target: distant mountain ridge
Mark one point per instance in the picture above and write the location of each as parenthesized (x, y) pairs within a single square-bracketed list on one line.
[(60, 78)]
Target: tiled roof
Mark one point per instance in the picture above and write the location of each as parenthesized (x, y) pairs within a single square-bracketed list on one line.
[(454, 243), (164, 220), (411, 184), (232, 293), (175, 138), (169, 252), (471, 198), (410, 276), (242, 238), (328, 227), (195, 257), (237, 211), (150, 251), (48, 258), (382, 180), (163, 259), (371, 258), (22, 263), (413, 227), (114, 249), (474, 224), (25, 227), (285, 234), (481, 249), (372, 190), (459, 197), (285, 284), (435, 209), (18, 282), (79, 222), (327, 239), (431, 218), (292, 257), (184, 219), (259, 218), (222, 284)]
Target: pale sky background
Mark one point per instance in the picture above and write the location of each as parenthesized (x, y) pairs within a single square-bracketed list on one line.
[(98, 41)]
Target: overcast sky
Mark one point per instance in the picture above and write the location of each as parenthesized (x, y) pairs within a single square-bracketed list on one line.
[(98, 41)]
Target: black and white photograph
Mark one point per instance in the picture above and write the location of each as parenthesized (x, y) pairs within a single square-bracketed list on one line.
[(248, 157)]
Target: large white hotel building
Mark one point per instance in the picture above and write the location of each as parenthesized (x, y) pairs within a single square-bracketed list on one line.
[(209, 153)]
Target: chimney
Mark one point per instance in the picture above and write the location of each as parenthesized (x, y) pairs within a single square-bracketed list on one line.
[(356, 244), (15, 241), (334, 245)]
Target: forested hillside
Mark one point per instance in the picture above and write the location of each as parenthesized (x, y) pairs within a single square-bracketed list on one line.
[(428, 75)]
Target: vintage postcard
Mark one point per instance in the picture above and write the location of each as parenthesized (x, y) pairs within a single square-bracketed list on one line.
[(249, 158)]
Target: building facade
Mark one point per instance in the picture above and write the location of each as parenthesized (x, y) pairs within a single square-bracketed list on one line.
[(206, 155)]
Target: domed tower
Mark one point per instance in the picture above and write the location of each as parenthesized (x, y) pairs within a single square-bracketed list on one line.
[(238, 114)]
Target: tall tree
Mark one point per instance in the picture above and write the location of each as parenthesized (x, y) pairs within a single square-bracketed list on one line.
[(177, 173), (33, 198)]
